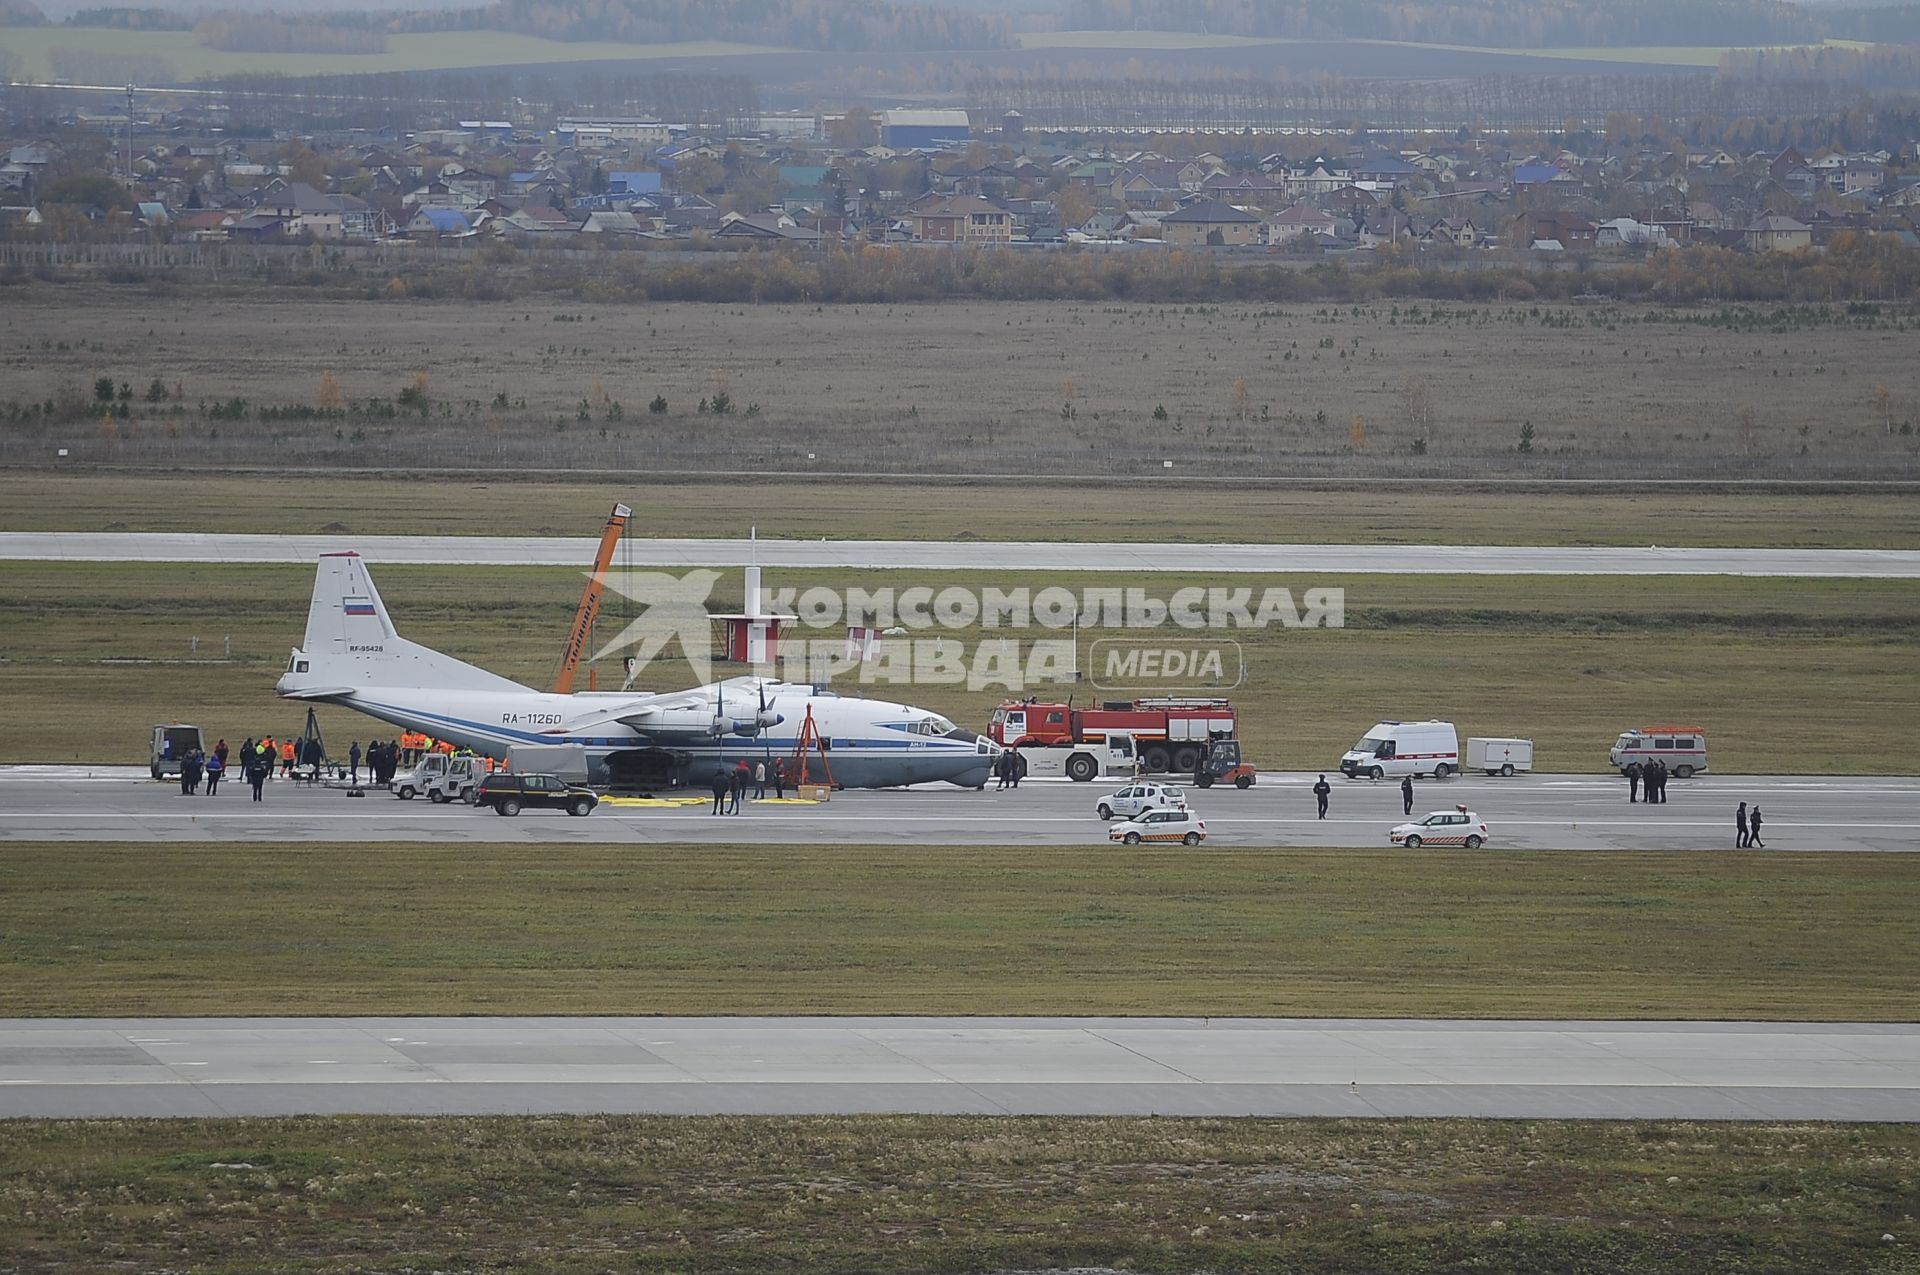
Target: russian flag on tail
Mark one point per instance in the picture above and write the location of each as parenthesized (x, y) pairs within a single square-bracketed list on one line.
[(359, 606)]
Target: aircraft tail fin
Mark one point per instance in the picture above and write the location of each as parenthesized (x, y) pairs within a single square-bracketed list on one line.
[(351, 643)]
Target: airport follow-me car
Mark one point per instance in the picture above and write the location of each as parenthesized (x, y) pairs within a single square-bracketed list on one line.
[(1137, 799), (1180, 824), (1456, 827)]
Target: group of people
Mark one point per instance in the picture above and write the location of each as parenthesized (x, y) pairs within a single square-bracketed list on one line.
[(1008, 767), (730, 785), (1649, 775), (255, 760), (383, 761), (199, 767)]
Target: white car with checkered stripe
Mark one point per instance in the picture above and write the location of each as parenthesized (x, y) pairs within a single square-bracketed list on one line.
[(1456, 827)]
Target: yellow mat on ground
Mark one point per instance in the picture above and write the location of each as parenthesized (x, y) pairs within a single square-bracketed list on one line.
[(659, 802)]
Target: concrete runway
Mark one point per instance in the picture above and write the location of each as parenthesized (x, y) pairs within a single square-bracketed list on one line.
[(1186, 1067), (974, 555), (1533, 812)]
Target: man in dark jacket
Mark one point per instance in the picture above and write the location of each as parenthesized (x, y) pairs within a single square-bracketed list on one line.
[(1753, 821), (353, 764), (1406, 795), (736, 788), (1321, 791), (1633, 783), (721, 786), (1740, 827)]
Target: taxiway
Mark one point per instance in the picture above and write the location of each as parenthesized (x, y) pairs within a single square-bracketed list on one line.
[(995, 1066), (974, 555)]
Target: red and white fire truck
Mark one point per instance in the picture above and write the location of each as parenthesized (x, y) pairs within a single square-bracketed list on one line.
[(1166, 734)]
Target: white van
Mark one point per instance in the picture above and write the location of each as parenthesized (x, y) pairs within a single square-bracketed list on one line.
[(1682, 748), (1404, 748), (1500, 756)]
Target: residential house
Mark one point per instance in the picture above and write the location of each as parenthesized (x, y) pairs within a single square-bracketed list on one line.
[(966, 219), (1210, 222), (1625, 232), (442, 223), (1778, 234), (537, 219), (1458, 232), (1544, 177), (615, 221), (1300, 222), (302, 209), (774, 227), (1384, 227), (1244, 188)]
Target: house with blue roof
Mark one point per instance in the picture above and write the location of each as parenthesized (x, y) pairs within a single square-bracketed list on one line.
[(445, 223), (634, 182), (1543, 175)]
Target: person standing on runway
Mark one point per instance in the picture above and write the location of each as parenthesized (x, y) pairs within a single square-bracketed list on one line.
[(1633, 784), (1741, 835), (1321, 791), (1753, 820), (1406, 795)]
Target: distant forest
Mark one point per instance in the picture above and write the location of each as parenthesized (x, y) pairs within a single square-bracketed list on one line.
[(898, 25)]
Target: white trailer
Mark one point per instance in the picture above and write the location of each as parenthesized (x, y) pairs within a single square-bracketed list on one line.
[(1500, 756), (568, 761)]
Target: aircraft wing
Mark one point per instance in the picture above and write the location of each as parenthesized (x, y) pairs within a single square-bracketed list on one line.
[(700, 711)]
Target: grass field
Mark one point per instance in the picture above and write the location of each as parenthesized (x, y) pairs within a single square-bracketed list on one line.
[(1660, 55), (964, 389), (1157, 510), (1809, 675), (399, 929), (187, 59), (551, 1194)]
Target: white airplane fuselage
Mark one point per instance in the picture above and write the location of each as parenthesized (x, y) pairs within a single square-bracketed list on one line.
[(869, 743)]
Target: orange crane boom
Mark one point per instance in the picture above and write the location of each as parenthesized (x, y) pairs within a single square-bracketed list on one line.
[(590, 600)]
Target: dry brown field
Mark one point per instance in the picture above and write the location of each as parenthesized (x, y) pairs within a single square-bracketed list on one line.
[(964, 389), (959, 508)]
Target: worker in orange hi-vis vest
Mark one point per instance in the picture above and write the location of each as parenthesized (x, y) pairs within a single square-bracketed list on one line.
[(286, 759)]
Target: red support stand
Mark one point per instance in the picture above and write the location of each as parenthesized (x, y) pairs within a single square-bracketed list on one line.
[(809, 740)]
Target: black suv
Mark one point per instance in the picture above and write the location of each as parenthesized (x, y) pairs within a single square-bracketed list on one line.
[(508, 794)]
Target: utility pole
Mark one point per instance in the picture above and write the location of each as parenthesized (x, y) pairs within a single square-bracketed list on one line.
[(129, 139)]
